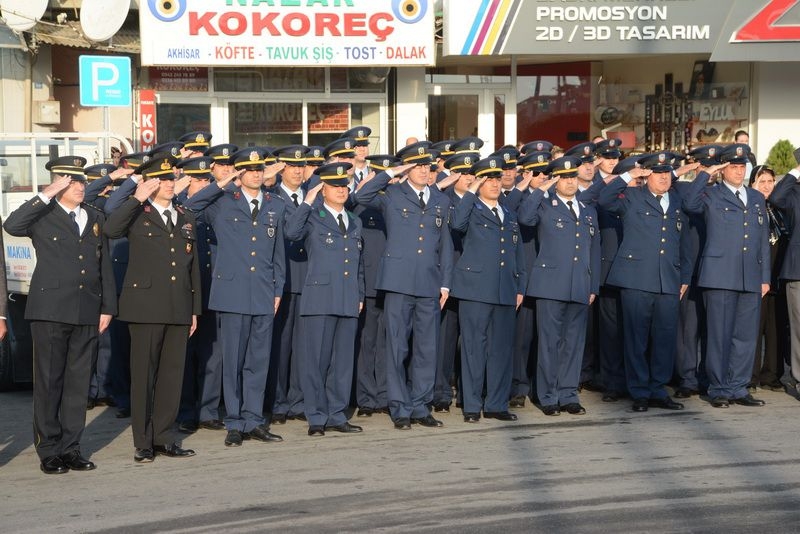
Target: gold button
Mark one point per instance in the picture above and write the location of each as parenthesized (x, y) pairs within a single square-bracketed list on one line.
[(346, 273), (208, 241), (255, 223), (663, 240), (575, 258), (173, 264), (502, 251), (420, 238), (347, 261), (745, 236), (661, 251), (744, 249), (502, 263), (55, 239), (502, 240), (663, 228), (577, 235), (665, 217), (253, 238), (208, 253), (577, 223), (630, 256), (208, 265), (252, 269), (83, 271), (80, 256), (253, 253), (149, 234), (745, 212), (301, 250), (172, 278), (172, 250), (577, 246), (422, 226), (135, 285), (345, 249), (745, 224), (80, 286), (419, 251)]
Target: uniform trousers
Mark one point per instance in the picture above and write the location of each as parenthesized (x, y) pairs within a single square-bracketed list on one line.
[(524, 364), (120, 364), (650, 321), (487, 346), (245, 360), (158, 352), (327, 371), (202, 376), (284, 389), (409, 384), (62, 364), (773, 338), (446, 350), (793, 305), (732, 322), (562, 335), (371, 364), (610, 340), (100, 382), (690, 361)]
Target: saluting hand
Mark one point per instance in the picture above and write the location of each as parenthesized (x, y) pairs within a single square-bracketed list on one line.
[(105, 320), (474, 186), (714, 169), (689, 167), (548, 183), (222, 182), (272, 170), (401, 169), (121, 172), (146, 188), (448, 181), (57, 186), (312, 194), (365, 179), (525, 182), (182, 183)]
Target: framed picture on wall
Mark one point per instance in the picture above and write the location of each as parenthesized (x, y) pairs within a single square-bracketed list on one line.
[(702, 76)]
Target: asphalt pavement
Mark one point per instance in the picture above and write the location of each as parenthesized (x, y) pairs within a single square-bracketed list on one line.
[(612, 470)]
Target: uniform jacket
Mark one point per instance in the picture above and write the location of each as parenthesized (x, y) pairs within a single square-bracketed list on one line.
[(334, 283), (694, 238), (72, 282), (119, 247), (491, 268), (3, 283), (786, 196), (736, 252), (250, 269), (295, 251), (162, 283), (418, 258), (650, 257), (373, 236), (567, 267), (206, 248)]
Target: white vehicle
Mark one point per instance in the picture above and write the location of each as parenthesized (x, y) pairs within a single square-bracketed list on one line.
[(22, 175)]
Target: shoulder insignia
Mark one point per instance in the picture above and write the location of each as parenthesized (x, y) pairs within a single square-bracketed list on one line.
[(95, 208)]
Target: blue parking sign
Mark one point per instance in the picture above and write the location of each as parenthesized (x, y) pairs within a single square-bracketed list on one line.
[(105, 80)]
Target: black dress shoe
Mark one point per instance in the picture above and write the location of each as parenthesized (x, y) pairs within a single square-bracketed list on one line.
[(296, 417), (551, 410), (90, 404), (685, 393), (212, 424), (470, 417), (574, 408), (517, 401), (502, 416), (774, 386), (316, 431), (53, 465), (173, 450), (122, 413), (611, 396), (441, 407), (365, 412), (748, 400), (261, 433), (104, 401), (76, 462), (640, 405), (665, 403), (720, 402), (345, 428), (233, 439), (189, 427), (143, 456), (402, 423), (428, 421), (278, 419)]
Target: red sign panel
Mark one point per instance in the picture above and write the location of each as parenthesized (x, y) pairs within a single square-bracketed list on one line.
[(147, 119), (763, 26)]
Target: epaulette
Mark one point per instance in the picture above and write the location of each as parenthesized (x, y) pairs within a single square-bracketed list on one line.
[(180, 209), (87, 205), (381, 192)]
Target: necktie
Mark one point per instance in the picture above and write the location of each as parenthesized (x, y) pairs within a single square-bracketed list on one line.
[(341, 223), (572, 210), (497, 215), (74, 217), (505, 193), (422, 199), (294, 200), (360, 176), (739, 196), (658, 199), (254, 213), (168, 216)]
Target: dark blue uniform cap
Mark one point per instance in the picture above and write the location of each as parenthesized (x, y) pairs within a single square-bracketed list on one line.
[(158, 167), (627, 164), (564, 167), (536, 146), (536, 160), (509, 155), (608, 149), (68, 165), (199, 167), (419, 153), (315, 156), (133, 160), (360, 134), (343, 147), (93, 172), (461, 162), (707, 155), (444, 148), (381, 162), (491, 167), (173, 149), (584, 151), (467, 144), (250, 158), (658, 161), (198, 141), (735, 153), (332, 174), (294, 155), (221, 154)]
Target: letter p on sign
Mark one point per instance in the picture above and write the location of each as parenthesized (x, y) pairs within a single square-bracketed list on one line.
[(105, 80)]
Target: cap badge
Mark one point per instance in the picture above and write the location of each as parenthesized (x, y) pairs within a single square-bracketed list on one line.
[(472, 145), (385, 162), (540, 158), (567, 165), (103, 172), (587, 150), (739, 151), (165, 165), (202, 165), (662, 157), (225, 152), (421, 150), (360, 133), (297, 154), (253, 156), (173, 151), (539, 146), (200, 138), (77, 162), (339, 170), (347, 144), (492, 164), (145, 159), (467, 160), (711, 152), (506, 157)]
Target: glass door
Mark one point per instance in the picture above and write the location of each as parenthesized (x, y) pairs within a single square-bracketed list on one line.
[(456, 113)]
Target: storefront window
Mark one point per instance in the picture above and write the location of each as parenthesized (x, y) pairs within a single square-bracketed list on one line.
[(327, 121), (174, 120), (452, 116), (277, 79), (265, 123), (359, 80)]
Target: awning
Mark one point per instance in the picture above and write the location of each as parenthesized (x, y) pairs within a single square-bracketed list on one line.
[(70, 34)]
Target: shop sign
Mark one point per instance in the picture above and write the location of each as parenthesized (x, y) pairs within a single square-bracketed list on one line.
[(287, 32), (147, 119), (178, 78), (285, 117)]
